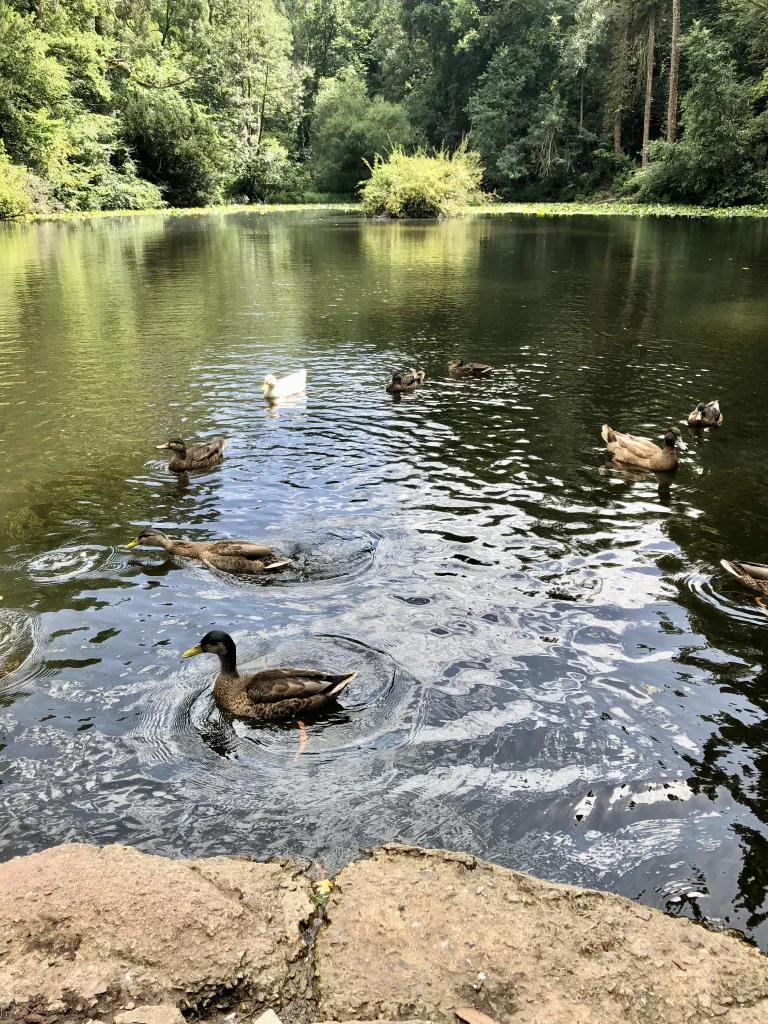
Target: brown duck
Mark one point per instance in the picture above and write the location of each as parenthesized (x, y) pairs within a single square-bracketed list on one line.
[(234, 556), (405, 380), (459, 368), (706, 414), (752, 574), (272, 693), (199, 456), (639, 451)]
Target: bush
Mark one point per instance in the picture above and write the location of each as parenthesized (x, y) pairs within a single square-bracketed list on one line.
[(15, 198), (422, 185), (349, 129), (270, 176), (711, 164)]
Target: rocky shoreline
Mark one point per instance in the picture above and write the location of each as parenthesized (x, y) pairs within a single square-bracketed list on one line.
[(120, 937)]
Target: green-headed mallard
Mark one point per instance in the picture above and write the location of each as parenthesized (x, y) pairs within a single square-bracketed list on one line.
[(199, 456), (272, 693), (405, 380), (706, 414), (639, 451), (459, 368), (234, 556), (752, 574)]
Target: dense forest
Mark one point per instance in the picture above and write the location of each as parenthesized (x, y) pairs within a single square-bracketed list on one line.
[(109, 104)]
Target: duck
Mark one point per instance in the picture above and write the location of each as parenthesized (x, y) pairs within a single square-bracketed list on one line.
[(199, 456), (639, 451), (706, 414), (405, 380), (294, 384), (272, 693), (752, 574), (239, 557), (459, 368)]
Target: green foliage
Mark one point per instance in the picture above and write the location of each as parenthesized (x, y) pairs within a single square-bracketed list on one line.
[(270, 176), (712, 164), (422, 185), (15, 198), (350, 129)]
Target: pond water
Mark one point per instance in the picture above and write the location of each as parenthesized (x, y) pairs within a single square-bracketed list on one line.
[(554, 671)]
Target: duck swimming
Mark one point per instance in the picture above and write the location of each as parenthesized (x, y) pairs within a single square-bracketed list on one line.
[(199, 456), (639, 451), (294, 384), (706, 414), (240, 557), (269, 694), (459, 368), (405, 380), (752, 574)]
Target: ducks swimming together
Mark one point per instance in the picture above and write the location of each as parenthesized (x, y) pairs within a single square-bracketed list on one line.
[(706, 414), (199, 456), (405, 380), (639, 451), (239, 557), (272, 693)]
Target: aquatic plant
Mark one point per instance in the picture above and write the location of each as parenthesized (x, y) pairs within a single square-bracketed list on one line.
[(423, 185)]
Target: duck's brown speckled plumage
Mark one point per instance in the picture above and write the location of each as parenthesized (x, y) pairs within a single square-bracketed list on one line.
[(239, 557), (641, 452), (405, 380), (706, 414), (459, 368), (199, 456), (271, 694), (752, 574)]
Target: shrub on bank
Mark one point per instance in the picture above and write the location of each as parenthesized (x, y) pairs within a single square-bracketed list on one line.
[(15, 196), (422, 185)]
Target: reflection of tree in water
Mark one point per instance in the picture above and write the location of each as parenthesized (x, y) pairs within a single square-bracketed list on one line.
[(723, 765)]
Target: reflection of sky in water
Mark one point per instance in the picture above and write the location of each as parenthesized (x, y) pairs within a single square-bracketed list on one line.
[(553, 672)]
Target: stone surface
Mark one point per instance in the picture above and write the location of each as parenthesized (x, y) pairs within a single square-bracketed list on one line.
[(87, 928), (413, 933), (150, 1015)]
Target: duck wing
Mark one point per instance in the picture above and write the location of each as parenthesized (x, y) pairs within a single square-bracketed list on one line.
[(478, 369), (636, 447), (276, 684), (241, 549), (205, 451), (755, 570)]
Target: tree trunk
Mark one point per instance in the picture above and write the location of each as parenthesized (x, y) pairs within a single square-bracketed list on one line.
[(620, 73), (581, 106), (674, 65), (649, 84), (262, 111)]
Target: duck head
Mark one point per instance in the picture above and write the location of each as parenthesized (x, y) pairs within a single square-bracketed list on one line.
[(149, 538), (176, 445)]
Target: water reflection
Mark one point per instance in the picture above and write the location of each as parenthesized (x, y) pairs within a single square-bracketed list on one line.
[(554, 672)]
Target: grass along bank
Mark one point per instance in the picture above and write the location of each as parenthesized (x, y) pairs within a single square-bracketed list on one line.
[(584, 209)]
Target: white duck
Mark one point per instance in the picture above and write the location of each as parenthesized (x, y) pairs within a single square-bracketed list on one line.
[(294, 384)]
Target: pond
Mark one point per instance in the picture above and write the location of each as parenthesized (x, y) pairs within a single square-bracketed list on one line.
[(554, 671)]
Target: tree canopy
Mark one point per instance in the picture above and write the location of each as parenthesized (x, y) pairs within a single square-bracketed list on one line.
[(192, 102)]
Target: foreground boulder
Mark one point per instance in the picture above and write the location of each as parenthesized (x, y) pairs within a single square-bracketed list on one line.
[(84, 930), (413, 933), (119, 937)]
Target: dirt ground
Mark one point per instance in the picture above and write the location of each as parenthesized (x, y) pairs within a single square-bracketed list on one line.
[(119, 937)]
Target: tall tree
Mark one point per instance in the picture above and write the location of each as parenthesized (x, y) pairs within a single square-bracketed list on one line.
[(619, 76), (649, 82), (674, 66)]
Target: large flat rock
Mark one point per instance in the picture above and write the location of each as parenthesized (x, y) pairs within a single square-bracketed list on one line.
[(87, 928), (412, 933)]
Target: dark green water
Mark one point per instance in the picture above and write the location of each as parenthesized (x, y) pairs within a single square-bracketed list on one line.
[(554, 671)]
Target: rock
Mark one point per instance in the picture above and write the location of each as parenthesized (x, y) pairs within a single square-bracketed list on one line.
[(119, 924), (268, 1017), (150, 1015), (550, 954)]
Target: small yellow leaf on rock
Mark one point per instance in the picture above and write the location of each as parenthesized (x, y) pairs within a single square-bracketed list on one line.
[(324, 887)]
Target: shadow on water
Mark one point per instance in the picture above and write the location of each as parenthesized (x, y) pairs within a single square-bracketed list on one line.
[(554, 672)]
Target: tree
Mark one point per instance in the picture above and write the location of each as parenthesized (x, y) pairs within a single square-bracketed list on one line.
[(674, 66), (648, 83)]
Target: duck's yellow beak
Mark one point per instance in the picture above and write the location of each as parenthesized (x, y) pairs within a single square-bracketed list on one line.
[(160, 447), (132, 544), (264, 388), (197, 649)]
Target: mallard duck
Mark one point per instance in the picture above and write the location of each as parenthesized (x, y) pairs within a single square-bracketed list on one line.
[(639, 451), (272, 693), (752, 574), (286, 386), (459, 368), (234, 556), (405, 380), (199, 456), (706, 414)]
